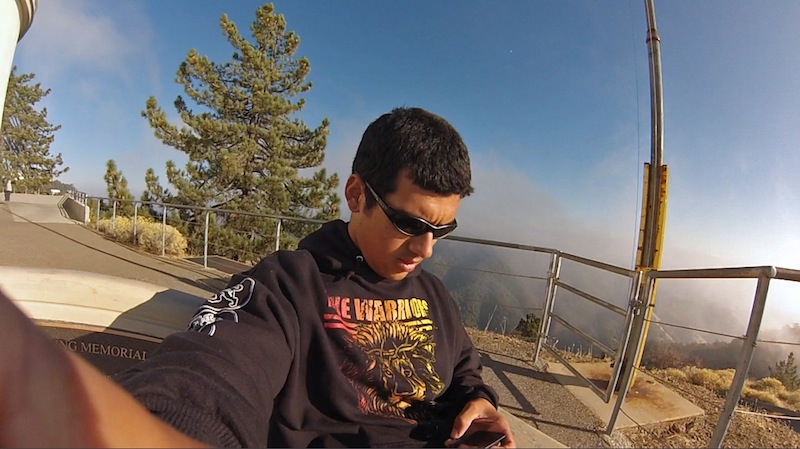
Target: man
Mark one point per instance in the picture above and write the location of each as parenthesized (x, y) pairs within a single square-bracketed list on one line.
[(344, 342)]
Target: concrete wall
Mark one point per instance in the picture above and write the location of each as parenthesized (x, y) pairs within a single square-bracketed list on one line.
[(75, 210), (33, 198)]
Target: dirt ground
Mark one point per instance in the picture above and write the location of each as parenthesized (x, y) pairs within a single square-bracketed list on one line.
[(745, 430)]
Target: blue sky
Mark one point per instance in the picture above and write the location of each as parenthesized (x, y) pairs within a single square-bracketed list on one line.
[(552, 97)]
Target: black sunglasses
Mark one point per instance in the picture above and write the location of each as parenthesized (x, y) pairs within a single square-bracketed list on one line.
[(410, 225)]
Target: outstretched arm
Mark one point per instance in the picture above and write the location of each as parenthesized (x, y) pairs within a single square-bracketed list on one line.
[(51, 397)]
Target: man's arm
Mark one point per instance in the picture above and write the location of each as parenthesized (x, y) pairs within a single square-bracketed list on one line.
[(51, 397), (218, 380)]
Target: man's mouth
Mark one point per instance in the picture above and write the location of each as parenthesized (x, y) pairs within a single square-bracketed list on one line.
[(408, 265)]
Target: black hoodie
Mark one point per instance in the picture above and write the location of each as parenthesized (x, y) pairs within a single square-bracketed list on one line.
[(313, 348)]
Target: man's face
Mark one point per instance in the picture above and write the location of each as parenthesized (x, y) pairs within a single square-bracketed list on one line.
[(389, 252)]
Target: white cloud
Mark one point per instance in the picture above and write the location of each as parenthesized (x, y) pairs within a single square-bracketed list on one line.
[(77, 35), (509, 206)]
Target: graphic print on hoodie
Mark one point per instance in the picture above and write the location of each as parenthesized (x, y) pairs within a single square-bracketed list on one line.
[(390, 353)]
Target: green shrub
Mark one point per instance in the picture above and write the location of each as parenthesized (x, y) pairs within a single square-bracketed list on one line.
[(528, 327), (786, 372)]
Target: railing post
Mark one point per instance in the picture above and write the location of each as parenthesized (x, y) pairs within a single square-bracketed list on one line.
[(633, 301), (205, 242), (743, 365), (627, 376), (97, 216), (135, 215), (550, 297), (278, 236), (163, 230), (114, 216)]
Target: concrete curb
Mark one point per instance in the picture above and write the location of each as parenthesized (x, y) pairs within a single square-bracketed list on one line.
[(526, 435), (98, 300)]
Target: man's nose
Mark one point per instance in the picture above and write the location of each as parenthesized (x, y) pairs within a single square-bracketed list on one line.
[(422, 245)]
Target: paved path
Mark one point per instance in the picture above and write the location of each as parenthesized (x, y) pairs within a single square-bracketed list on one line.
[(36, 235)]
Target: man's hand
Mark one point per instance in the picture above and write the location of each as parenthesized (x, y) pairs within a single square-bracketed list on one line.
[(50, 397), (479, 414)]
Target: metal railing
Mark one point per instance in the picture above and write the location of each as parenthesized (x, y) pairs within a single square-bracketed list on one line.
[(640, 296), (554, 281), (764, 274), (77, 196), (205, 211), (617, 353)]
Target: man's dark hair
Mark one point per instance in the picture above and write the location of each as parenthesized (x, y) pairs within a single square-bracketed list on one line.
[(414, 140)]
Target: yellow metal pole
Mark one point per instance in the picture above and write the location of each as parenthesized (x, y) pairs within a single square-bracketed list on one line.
[(660, 225), (643, 220)]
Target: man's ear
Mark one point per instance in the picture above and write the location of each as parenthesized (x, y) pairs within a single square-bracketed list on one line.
[(353, 192)]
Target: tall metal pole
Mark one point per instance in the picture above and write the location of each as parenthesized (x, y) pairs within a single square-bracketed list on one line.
[(648, 257), (654, 193)]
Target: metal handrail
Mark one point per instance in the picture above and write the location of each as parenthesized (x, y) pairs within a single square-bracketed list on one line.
[(601, 265), (592, 298), (214, 209), (583, 334), (764, 274)]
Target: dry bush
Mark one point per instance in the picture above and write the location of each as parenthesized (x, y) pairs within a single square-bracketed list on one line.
[(675, 373), (174, 242), (762, 396), (578, 354), (716, 380), (122, 228), (790, 398), (148, 235), (768, 389), (770, 384), (659, 355)]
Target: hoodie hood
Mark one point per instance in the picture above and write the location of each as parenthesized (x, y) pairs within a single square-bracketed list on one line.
[(336, 254)]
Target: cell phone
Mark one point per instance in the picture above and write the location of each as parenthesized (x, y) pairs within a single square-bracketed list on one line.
[(481, 438)]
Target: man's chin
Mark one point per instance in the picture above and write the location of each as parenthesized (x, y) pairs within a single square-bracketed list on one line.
[(396, 276)]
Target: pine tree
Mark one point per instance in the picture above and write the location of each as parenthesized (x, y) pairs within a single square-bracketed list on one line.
[(247, 150), (117, 188), (786, 372), (528, 327), (153, 193), (27, 135)]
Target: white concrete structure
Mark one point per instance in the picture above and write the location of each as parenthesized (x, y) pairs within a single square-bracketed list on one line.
[(99, 301), (16, 17)]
